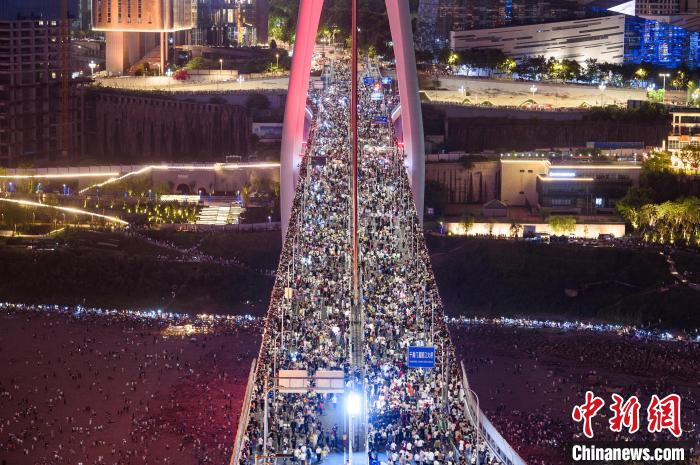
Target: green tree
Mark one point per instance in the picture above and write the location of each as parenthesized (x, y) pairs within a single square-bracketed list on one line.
[(592, 72), (556, 69), (507, 66), (466, 223), (680, 80), (372, 51), (278, 28), (641, 74), (656, 95), (690, 156), (562, 224), (630, 206), (198, 63), (658, 162), (693, 97)]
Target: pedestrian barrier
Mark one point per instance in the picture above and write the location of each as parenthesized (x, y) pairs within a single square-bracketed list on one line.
[(238, 445), (500, 448)]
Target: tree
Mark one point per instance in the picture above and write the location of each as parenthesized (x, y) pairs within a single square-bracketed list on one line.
[(449, 57), (515, 229), (278, 28), (680, 80), (372, 51), (557, 69), (592, 72), (507, 66), (466, 223), (630, 206), (658, 162), (690, 157), (693, 94), (198, 63), (656, 95), (641, 74), (562, 224)]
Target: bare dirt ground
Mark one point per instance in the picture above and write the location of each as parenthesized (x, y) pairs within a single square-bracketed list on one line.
[(110, 391)]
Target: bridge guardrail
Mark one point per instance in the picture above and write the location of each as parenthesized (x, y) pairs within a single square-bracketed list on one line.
[(500, 448), (244, 418)]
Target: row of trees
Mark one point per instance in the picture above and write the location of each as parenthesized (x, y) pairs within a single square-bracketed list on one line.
[(539, 67), (666, 208), (670, 222)]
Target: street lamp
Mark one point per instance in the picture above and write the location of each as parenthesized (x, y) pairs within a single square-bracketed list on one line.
[(602, 88), (169, 73), (240, 80), (221, 65), (664, 76), (277, 61), (353, 404), (533, 89), (92, 65)]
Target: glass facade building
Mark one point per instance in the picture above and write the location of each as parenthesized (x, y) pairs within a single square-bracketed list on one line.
[(662, 44)]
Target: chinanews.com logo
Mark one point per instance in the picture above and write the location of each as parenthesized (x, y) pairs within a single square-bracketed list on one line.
[(663, 415)]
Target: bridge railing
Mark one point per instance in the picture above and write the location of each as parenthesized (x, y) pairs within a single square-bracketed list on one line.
[(244, 418), (496, 443)]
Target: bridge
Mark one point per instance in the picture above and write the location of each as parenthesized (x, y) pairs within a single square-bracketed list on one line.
[(356, 363)]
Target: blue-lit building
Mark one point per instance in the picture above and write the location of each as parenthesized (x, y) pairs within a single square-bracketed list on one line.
[(609, 38), (660, 43)]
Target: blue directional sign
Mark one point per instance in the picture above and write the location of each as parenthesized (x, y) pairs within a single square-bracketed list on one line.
[(368, 80), (381, 120), (421, 357)]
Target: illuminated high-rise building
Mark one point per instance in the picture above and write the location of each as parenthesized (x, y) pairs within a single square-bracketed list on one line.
[(39, 111), (135, 27)]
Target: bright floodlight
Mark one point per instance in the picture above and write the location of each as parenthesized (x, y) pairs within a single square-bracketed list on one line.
[(353, 404)]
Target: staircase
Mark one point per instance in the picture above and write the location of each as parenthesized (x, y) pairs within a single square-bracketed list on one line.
[(219, 214)]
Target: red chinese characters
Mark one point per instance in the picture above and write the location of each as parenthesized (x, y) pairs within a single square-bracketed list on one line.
[(625, 414), (662, 414), (665, 414), (587, 411)]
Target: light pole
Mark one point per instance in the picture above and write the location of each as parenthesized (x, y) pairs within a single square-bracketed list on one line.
[(602, 88), (169, 73), (221, 66), (664, 76), (92, 65), (533, 89), (240, 80), (277, 61)]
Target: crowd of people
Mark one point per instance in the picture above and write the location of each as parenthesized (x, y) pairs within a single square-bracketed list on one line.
[(112, 387), (413, 416), (530, 378)]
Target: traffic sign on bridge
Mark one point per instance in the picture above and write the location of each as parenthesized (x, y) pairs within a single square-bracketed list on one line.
[(421, 357)]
